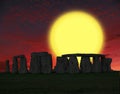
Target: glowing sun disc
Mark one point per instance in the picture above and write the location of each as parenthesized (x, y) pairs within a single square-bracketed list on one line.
[(76, 32)]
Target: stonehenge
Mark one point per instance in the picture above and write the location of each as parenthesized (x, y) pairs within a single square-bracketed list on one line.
[(100, 62), (41, 62)]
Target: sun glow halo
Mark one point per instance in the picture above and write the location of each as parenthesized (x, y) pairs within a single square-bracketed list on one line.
[(76, 32)]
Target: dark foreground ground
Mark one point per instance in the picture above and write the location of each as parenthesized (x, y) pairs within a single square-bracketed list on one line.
[(92, 83)]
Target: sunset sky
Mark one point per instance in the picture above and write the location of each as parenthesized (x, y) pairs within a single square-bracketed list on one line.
[(24, 25)]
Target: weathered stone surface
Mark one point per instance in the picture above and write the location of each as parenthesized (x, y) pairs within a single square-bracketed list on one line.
[(85, 65), (7, 67), (96, 66), (106, 64), (60, 65), (23, 64), (15, 65), (73, 65)]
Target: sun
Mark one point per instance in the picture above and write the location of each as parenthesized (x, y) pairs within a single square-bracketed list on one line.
[(76, 32)]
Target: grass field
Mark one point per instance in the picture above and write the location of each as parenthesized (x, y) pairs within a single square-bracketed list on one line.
[(92, 83)]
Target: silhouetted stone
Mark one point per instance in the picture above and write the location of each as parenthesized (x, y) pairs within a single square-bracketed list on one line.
[(23, 64), (15, 65), (106, 64), (46, 63), (96, 66), (35, 66), (60, 65), (73, 65), (85, 65), (109, 61), (100, 63), (41, 62), (104, 68), (86, 55), (66, 64), (7, 67)]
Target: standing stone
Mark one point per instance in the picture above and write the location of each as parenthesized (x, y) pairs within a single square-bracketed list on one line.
[(41, 62), (85, 65), (7, 67), (106, 64), (46, 63), (13, 69), (73, 65), (35, 66), (109, 61), (60, 66), (103, 63), (96, 66), (23, 64), (15, 65), (66, 64)]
